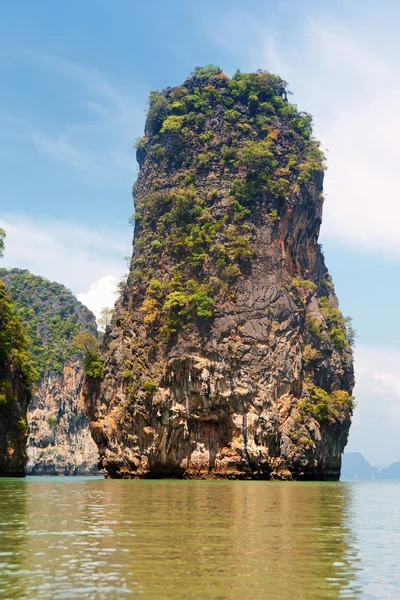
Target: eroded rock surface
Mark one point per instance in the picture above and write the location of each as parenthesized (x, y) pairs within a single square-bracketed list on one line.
[(228, 356), (59, 442)]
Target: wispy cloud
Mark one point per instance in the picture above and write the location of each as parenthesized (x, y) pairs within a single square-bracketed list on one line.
[(62, 150), (96, 137), (122, 106), (376, 422), (388, 384)]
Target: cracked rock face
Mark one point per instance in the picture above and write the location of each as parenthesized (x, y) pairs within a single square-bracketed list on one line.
[(227, 356), (59, 442), (13, 430)]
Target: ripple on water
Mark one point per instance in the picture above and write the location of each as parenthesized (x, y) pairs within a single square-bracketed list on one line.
[(93, 538)]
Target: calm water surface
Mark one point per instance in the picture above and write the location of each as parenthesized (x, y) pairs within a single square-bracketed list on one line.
[(64, 538)]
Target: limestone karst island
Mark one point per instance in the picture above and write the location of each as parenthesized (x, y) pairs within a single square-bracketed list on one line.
[(226, 355), (188, 410)]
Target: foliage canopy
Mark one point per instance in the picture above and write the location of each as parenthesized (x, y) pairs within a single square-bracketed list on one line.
[(52, 317), (213, 128), (14, 358)]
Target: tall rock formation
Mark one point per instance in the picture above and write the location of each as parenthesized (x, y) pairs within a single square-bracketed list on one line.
[(228, 356), (59, 441)]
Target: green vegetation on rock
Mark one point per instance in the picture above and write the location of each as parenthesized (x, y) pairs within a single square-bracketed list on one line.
[(17, 375), (326, 406), (340, 329), (204, 236), (52, 317), (227, 355), (15, 367), (92, 362)]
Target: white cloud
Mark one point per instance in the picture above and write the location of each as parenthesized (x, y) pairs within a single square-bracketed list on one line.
[(376, 422), (90, 137), (88, 262), (389, 383), (101, 294), (353, 91)]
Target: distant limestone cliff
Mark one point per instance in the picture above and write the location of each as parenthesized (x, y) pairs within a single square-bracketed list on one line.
[(228, 356), (59, 441)]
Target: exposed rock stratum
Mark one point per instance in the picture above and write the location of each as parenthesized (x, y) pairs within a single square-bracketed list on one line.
[(227, 356), (59, 440)]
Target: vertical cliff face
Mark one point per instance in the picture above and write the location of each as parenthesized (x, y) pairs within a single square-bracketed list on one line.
[(228, 355), (13, 429), (59, 440), (16, 381)]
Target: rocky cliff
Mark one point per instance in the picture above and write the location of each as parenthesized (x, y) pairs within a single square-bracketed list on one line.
[(16, 382), (59, 441), (228, 356)]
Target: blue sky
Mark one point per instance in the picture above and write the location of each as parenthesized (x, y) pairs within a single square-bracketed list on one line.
[(76, 77)]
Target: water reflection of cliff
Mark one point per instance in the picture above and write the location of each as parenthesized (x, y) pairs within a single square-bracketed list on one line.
[(12, 536), (226, 540), (180, 539)]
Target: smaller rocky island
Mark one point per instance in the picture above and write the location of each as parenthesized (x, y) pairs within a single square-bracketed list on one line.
[(59, 441)]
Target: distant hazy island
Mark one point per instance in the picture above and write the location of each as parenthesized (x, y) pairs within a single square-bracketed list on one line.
[(354, 466)]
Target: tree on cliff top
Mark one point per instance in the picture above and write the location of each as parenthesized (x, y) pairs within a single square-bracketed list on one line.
[(89, 344), (2, 236)]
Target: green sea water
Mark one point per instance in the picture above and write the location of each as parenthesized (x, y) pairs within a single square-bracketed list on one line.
[(71, 538)]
